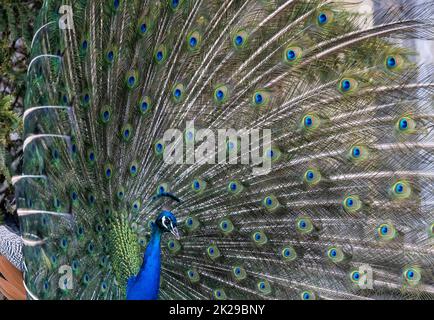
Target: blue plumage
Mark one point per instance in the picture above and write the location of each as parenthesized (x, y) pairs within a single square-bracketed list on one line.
[(146, 284)]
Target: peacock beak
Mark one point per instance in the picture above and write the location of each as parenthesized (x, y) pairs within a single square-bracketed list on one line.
[(174, 231)]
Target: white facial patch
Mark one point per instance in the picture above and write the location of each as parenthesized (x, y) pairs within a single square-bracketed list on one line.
[(165, 222)]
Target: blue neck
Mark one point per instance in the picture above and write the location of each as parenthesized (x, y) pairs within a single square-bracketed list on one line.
[(146, 284)]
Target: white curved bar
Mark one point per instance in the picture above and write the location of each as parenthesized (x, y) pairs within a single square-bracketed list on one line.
[(39, 30), (16, 179), (26, 212), (29, 111), (39, 136), (41, 56)]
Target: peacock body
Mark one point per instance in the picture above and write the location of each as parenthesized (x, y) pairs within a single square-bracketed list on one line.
[(344, 116)]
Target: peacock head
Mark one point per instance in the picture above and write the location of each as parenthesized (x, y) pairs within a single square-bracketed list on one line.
[(166, 222)]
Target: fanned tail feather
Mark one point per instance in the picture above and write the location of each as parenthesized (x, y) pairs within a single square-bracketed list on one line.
[(351, 152)]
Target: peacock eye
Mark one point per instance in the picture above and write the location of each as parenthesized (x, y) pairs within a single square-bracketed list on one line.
[(304, 225), (264, 287), (90, 248), (85, 99), (159, 147), (348, 85), (213, 252), (198, 185), (235, 187), (412, 275), (74, 265), (219, 294), (64, 243), (258, 98), (273, 154), (239, 39), (355, 276), (193, 40), (91, 199), (406, 125), (91, 156), (86, 279), (136, 206), (352, 203), (178, 92), (57, 203), (174, 4), (259, 238), (322, 18), (193, 275), (142, 242), (110, 56), (174, 246), (356, 152), (386, 231), (261, 98), (226, 226), (394, 62), (335, 254), (120, 193), (391, 62), (74, 196), (271, 203), (221, 94), (291, 55), (239, 273), (162, 188), (312, 177), (310, 122), (401, 190), (288, 253), (144, 106), (308, 295)]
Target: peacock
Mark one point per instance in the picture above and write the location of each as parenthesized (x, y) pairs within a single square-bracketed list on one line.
[(227, 149)]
